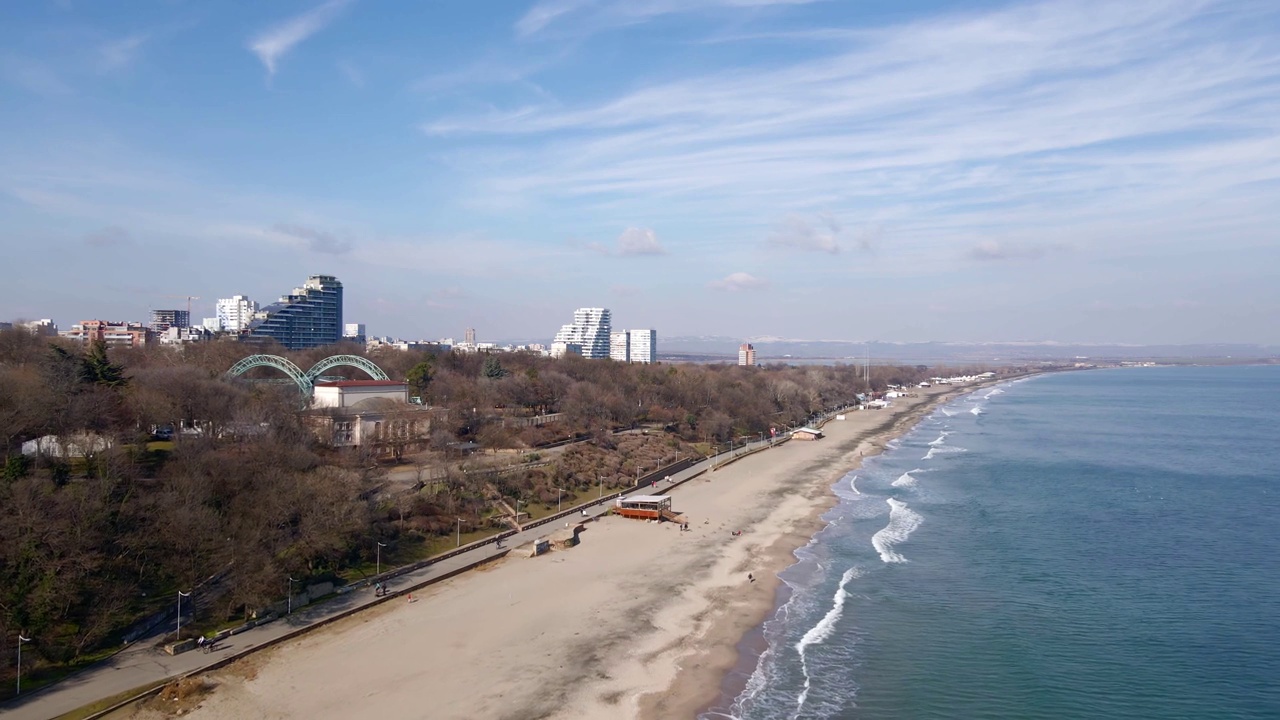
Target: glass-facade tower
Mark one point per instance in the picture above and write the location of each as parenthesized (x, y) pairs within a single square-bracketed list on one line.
[(309, 317)]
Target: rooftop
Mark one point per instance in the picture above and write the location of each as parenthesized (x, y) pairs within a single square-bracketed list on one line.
[(361, 383)]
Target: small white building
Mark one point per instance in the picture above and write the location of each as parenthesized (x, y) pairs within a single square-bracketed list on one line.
[(349, 393), (75, 445)]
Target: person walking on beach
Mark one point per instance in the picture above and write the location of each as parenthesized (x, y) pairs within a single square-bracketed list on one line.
[(750, 577)]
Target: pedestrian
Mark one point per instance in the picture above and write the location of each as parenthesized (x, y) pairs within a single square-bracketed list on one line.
[(751, 577), (200, 642)]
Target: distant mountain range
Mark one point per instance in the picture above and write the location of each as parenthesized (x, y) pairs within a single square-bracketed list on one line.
[(780, 349)]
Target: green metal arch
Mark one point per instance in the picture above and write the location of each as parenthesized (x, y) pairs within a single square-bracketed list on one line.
[(301, 379), (354, 361)]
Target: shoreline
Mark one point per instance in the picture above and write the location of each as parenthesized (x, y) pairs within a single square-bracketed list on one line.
[(706, 684), (639, 620)]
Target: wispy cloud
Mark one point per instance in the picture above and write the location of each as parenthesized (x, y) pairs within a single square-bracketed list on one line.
[(996, 250), (119, 54), (796, 232), (275, 42), (593, 15), (319, 241), (1053, 114), (33, 76), (736, 282), (110, 236)]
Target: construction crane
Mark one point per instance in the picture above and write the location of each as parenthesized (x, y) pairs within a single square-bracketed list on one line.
[(189, 299)]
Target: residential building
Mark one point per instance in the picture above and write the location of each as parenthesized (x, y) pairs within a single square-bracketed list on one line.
[(162, 320), (354, 332), (213, 324), (114, 334), (620, 346), (589, 330), (308, 317), (560, 349), (181, 335), (470, 336), (644, 346), (235, 313), (747, 354), (44, 328)]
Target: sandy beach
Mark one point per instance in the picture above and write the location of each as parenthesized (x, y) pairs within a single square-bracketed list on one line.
[(639, 621)]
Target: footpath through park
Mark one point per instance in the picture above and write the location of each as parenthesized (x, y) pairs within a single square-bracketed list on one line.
[(143, 665)]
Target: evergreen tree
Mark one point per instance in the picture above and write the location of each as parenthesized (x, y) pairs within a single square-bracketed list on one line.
[(493, 368), (98, 368)]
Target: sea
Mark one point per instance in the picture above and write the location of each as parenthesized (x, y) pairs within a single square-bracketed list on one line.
[(1094, 544)]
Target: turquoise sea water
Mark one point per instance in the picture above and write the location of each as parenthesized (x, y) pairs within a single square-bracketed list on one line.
[(1101, 544)]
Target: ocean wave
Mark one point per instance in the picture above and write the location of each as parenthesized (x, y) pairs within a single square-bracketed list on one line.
[(994, 391), (976, 410), (946, 412), (941, 438), (820, 632), (853, 485), (902, 521), (943, 449), (907, 479)]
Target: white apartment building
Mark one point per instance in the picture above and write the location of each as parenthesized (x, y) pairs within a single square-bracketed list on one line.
[(236, 312), (747, 355), (589, 330), (620, 346), (644, 346)]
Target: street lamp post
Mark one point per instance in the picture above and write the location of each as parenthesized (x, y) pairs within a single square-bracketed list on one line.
[(459, 533), (600, 479), (378, 561), (20, 641), (559, 499), (290, 600), (178, 633)]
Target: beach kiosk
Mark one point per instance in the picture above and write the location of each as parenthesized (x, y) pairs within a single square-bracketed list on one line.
[(647, 507)]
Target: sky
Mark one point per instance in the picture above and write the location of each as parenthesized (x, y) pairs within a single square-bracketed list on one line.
[(1090, 172)]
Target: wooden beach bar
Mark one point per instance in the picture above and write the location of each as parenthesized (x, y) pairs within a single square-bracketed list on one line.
[(646, 507)]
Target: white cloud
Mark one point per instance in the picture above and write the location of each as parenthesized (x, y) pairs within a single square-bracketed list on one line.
[(639, 241), (738, 281), (274, 43), (119, 54)]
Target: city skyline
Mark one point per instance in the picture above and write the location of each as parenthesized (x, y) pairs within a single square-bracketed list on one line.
[(1014, 171)]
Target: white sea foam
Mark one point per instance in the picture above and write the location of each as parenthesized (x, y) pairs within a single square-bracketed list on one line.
[(946, 412), (994, 391), (941, 438), (976, 410), (820, 632), (907, 479), (902, 521), (853, 485)]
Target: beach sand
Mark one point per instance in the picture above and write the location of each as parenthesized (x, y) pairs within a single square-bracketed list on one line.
[(640, 620)]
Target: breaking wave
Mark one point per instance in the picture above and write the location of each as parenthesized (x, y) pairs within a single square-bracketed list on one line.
[(902, 521)]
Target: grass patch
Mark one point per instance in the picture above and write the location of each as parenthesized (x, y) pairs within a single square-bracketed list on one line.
[(96, 707)]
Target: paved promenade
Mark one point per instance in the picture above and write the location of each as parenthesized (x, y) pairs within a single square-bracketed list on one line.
[(143, 664)]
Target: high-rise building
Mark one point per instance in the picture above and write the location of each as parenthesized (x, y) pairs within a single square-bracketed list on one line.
[(747, 354), (309, 317), (236, 312), (470, 336), (644, 346), (620, 346), (589, 330), (354, 332), (162, 320)]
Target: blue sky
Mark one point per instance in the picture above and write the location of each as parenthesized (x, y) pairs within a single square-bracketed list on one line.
[(902, 171)]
